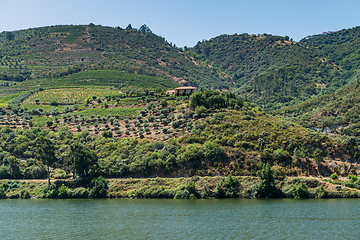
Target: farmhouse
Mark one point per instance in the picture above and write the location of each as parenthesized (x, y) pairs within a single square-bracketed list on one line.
[(182, 91)]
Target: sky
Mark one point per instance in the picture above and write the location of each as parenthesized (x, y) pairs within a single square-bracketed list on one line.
[(186, 22)]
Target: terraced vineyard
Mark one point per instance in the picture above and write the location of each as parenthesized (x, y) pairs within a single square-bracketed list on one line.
[(102, 112)]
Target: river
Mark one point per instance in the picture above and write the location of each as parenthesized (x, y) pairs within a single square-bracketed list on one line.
[(180, 219)]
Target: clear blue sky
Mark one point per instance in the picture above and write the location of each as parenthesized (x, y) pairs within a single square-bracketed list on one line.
[(186, 22)]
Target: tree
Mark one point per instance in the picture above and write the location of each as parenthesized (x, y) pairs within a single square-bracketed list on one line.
[(82, 160), (318, 156), (129, 27), (9, 36), (99, 187), (300, 191), (145, 29), (266, 188), (49, 123), (14, 166), (45, 152)]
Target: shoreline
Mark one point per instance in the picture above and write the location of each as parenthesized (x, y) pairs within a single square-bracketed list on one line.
[(177, 188)]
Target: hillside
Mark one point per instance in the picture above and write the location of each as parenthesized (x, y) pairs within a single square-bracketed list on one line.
[(340, 47), (159, 135), (336, 112), (58, 51), (271, 70), (98, 92)]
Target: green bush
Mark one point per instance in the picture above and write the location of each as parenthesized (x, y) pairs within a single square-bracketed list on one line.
[(24, 194), (353, 178), (98, 188), (182, 194), (334, 176), (321, 192), (300, 191), (63, 191), (175, 124), (2, 192), (191, 188), (266, 188), (50, 192), (228, 188), (80, 192)]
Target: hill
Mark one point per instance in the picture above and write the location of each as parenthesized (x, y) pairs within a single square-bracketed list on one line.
[(340, 47), (100, 91), (159, 135), (271, 70), (58, 51)]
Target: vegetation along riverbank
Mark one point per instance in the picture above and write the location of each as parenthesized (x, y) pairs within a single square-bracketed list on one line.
[(195, 187)]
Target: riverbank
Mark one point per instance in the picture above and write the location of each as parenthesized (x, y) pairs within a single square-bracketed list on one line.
[(178, 188)]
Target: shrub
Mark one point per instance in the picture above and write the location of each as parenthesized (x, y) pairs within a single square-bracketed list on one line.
[(165, 130), (182, 194), (63, 191), (107, 134), (80, 192), (321, 192), (353, 178), (300, 191), (266, 188), (54, 103), (175, 124), (143, 112), (151, 118), (99, 187), (191, 188), (24, 194), (50, 192), (2, 192), (199, 110), (228, 188), (334, 176)]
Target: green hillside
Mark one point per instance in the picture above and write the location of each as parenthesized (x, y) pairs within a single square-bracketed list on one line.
[(59, 51), (98, 92), (270, 70), (341, 47)]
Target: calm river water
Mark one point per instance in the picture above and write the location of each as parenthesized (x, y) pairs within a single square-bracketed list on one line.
[(180, 219)]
